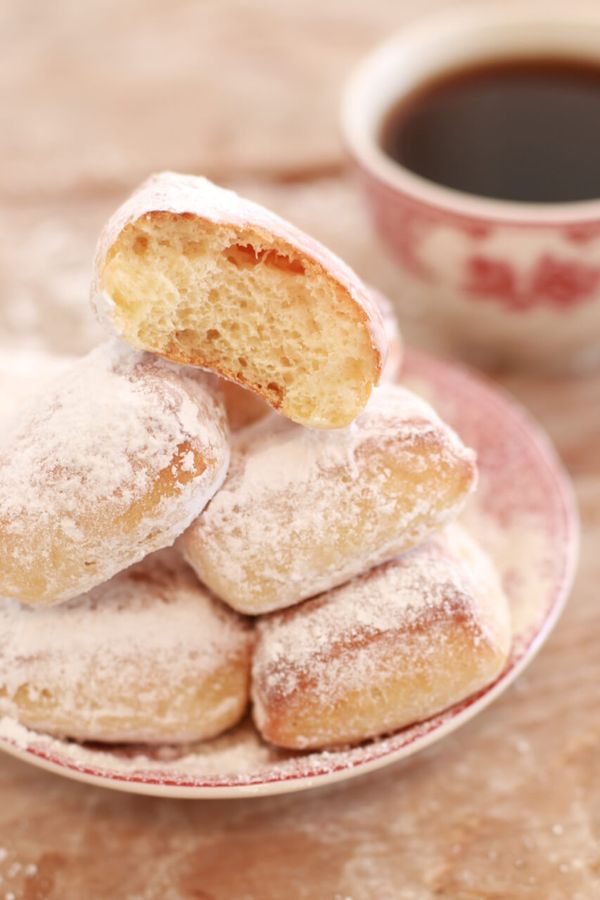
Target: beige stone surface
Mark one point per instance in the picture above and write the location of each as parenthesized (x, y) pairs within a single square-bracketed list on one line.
[(93, 96), (97, 93)]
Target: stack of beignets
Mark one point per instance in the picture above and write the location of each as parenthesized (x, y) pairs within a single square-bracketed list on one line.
[(314, 567)]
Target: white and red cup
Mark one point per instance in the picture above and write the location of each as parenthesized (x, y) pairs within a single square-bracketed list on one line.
[(505, 281)]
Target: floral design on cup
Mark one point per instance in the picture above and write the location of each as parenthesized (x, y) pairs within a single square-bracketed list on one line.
[(502, 281), (554, 282)]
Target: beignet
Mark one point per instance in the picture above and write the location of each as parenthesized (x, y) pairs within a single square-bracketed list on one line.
[(203, 277), (111, 461), (390, 648), (148, 657), (302, 511)]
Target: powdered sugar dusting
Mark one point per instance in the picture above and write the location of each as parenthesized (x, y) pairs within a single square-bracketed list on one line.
[(302, 510), (518, 468), (132, 644), (241, 759), (78, 457), (236, 754), (382, 627), (23, 373), (513, 551), (428, 580)]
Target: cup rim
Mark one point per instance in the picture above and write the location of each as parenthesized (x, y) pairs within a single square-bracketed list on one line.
[(364, 147)]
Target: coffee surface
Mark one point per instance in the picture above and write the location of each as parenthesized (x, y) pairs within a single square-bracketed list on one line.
[(521, 129)]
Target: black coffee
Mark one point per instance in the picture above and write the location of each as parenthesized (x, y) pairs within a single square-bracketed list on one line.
[(524, 129)]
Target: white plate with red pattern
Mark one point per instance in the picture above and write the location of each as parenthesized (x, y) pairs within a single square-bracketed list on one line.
[(524, 515)]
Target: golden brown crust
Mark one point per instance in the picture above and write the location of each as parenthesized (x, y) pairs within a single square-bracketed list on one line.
[(303, 511), (395, 646), (110, 461), (149, 657)]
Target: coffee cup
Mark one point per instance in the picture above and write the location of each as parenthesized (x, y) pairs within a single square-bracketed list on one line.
[(506, 281)]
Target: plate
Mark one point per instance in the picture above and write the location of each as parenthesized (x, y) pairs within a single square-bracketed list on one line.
[(524, 515)]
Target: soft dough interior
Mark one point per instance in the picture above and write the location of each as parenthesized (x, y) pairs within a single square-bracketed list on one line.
[(231, 300)]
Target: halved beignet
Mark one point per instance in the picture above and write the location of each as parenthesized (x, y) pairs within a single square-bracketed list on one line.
[(302, 511), (149, 656), (390, 648), (201, 276), (244, 407), (112, 461)]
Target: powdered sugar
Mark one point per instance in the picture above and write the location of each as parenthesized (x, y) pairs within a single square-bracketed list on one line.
[(116, 656), (78, 458), (387, 598), (531, 540), (23, 373), (513, 551), (240, 762), (381, 633), (237, 754), (302, 510)]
